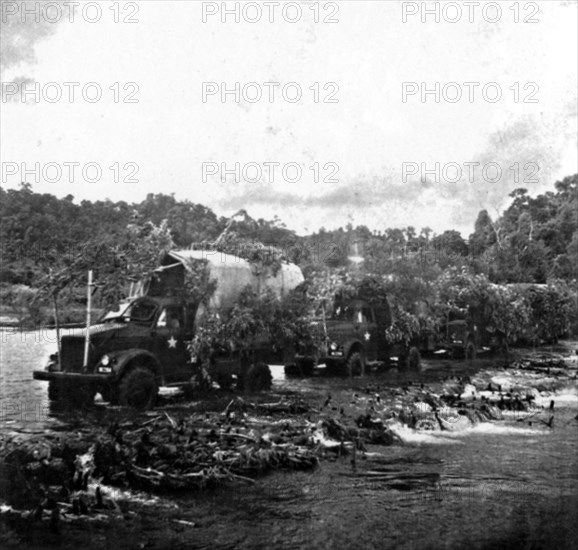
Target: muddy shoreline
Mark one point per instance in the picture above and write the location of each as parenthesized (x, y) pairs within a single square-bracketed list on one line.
[(315, 463)]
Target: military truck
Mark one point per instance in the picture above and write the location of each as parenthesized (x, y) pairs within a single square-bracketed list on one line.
[(464, 335), (354, 330), (143, 344), (461, 337)]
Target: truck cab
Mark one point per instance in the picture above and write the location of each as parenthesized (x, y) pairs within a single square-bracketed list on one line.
[(354, 337), (135, 349), (146, 336), (461, 338), (466, 335)]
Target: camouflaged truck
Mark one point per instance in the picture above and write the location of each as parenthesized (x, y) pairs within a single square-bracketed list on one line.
[(143, 344), (354, 331)]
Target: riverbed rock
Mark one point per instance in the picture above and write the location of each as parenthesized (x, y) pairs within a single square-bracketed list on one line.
[(453, 422), (469, 393), (426, 423), (422, 408)]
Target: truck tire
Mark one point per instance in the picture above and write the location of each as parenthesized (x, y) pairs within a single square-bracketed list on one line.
[(414, 359), (258, 378), (138, 389), (355, 364), (470, 351)]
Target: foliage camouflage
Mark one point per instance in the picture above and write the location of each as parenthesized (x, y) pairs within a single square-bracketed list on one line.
[(256, 318)]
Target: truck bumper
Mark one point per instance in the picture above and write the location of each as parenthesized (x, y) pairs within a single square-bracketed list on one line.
[(78, 377), (334, 359)]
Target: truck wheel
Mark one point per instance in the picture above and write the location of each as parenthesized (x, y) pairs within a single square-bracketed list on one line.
[(138, 389), (470, 351), (355, 364), (414, 359), (258, 378)]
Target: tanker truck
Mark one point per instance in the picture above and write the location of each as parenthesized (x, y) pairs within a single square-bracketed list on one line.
[(144, 343)]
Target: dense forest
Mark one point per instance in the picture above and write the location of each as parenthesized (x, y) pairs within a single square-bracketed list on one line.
[(535, 240)]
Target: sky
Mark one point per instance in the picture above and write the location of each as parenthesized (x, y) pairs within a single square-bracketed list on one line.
[(360, 142)]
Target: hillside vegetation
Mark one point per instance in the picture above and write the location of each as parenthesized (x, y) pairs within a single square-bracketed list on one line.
[(48, 244)]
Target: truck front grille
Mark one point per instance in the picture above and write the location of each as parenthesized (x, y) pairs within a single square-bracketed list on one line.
[(72, 350)]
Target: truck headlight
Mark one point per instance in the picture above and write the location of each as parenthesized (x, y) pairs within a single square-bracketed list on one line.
[(105, 360), (335, 350)]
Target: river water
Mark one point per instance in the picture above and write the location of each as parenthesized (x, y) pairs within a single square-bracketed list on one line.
[(507, 484), (24, 401)]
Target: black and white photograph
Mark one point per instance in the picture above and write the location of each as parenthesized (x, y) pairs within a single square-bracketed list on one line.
[(289, 274)]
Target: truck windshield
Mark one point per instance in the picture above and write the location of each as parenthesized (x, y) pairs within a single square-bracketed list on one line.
[(343, 312), (115, 314), (352, 312), (140, 311)]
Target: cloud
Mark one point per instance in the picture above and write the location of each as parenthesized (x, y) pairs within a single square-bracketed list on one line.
[(361, 193), (527, 150), (20, 35)]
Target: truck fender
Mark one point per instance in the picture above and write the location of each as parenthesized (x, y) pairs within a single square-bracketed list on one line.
[(122, 360), (349, 346)]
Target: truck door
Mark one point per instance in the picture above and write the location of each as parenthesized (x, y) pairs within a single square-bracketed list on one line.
[(382, 316), (170, 343), (366, 330)]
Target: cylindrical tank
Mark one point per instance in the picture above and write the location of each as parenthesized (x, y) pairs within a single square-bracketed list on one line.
[(232, 274)]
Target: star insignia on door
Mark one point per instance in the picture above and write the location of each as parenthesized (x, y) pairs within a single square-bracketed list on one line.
[(367, 336), (172, 342)]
